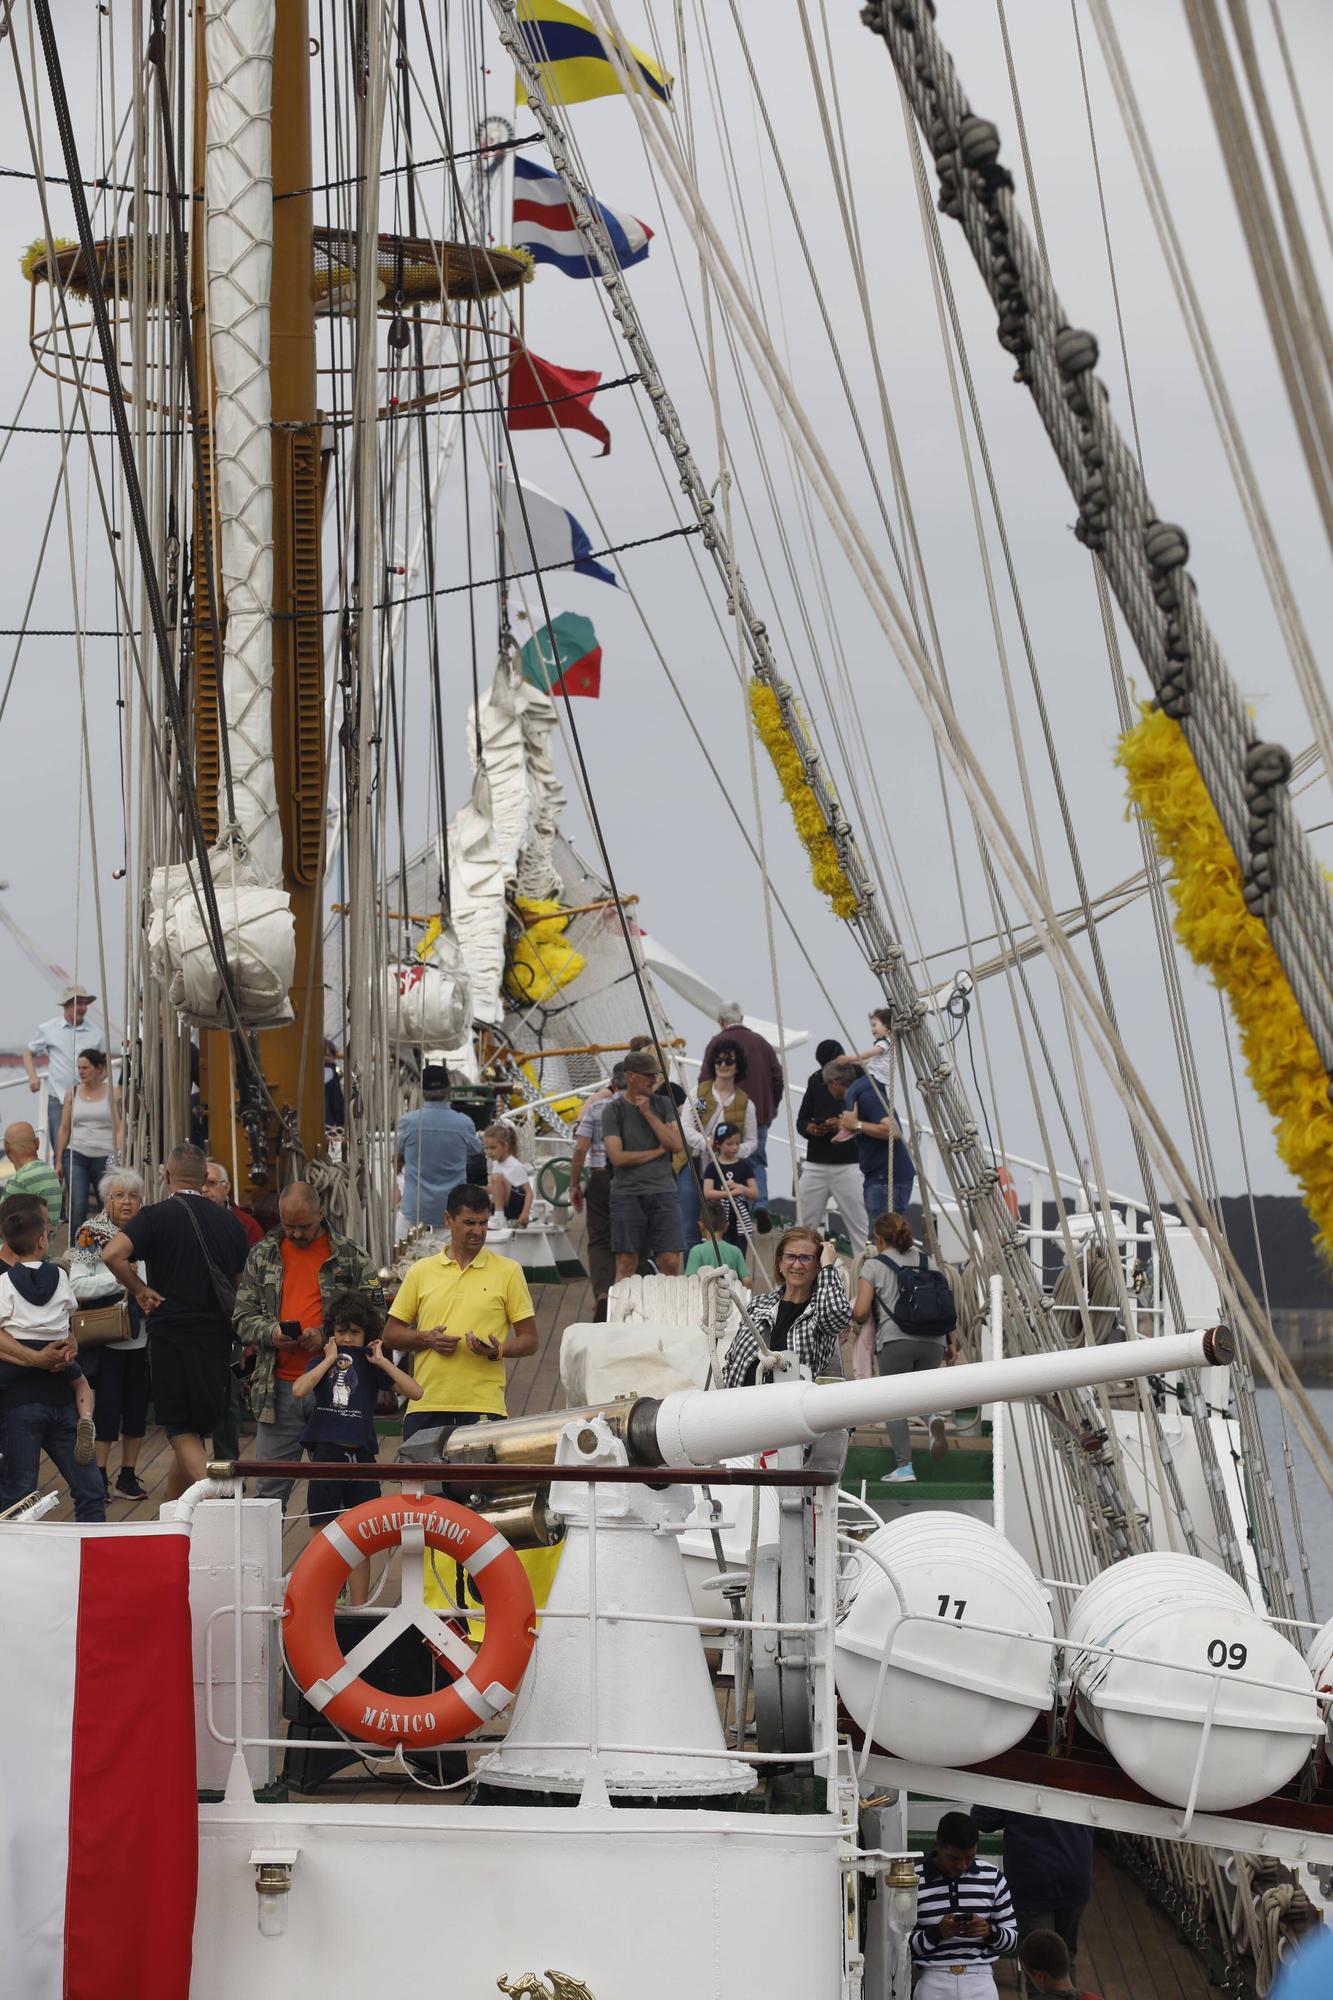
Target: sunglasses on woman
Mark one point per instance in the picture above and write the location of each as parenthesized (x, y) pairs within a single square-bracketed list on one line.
[(724, 1062)]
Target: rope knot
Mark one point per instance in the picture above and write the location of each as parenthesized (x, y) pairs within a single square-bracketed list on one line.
[(1166, 546), (978, 144), (1076, 350), (1267, 765)]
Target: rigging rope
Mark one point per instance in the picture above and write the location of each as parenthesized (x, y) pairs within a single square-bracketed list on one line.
[(980, 1197), (1145, 558)]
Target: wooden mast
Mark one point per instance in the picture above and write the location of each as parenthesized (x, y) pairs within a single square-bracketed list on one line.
[(292, 1057)]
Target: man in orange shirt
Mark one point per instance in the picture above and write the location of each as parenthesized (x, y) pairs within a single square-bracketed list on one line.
[(285, 1289)]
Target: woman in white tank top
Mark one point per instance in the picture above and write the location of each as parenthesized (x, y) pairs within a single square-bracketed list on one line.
[(90, 1131)]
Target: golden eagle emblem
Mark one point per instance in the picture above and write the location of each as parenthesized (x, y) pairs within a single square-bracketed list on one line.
[(530, 1987)]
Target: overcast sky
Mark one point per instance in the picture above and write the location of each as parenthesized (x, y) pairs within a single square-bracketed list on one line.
[(672, 840)]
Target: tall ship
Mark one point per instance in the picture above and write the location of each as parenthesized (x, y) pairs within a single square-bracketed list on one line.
[(661, 1685)]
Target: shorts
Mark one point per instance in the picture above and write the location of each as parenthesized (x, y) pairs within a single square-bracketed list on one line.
[(445, 1421), (645, 1219), (327, 1498), (191, 1376), (514, 1204)]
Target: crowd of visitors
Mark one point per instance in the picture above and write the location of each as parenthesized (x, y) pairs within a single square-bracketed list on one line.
[(297, 1312), (221, 1314)]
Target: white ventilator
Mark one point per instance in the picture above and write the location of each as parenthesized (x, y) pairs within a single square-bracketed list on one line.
[(238, 193)]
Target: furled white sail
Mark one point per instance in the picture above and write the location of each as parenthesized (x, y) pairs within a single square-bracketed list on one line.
[(238, 191), (500, 841)]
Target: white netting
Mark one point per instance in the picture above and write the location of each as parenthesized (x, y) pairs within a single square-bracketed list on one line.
[(238, 190)]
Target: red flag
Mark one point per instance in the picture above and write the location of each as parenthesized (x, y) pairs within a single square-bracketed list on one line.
[(543, 397)]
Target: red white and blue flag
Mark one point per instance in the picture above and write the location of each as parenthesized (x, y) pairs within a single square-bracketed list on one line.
[(99, 1840), (544, 224), (541, 534)]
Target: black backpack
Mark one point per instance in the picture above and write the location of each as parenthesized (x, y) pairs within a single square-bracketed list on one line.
[(925, 1307)]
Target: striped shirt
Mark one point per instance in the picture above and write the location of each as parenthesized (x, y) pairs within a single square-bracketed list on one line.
[(981, 1892), (589, 1127)]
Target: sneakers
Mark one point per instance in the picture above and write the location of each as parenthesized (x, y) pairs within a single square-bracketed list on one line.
[(129, 1486), (939, 1438), (902, 1475), (84, 1442)]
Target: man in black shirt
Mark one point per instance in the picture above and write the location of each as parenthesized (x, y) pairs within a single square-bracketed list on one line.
[(193, 1251), (830, 1173)]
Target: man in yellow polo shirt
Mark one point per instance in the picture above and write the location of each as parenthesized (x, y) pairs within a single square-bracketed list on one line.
[(461, 1316)]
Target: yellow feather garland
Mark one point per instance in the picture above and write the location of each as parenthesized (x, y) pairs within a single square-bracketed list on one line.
[(829, 875), (35, 252), (1233, 947)]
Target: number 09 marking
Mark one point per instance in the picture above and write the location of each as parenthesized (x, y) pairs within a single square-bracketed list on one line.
[(1231, 1657)]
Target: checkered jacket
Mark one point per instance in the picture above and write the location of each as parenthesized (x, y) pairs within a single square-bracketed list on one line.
[(812, 1337)]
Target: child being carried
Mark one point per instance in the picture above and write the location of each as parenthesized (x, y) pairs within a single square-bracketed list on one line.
[(36, 1300)]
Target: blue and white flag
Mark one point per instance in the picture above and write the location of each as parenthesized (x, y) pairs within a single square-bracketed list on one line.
[(544, 225), (541, 534)]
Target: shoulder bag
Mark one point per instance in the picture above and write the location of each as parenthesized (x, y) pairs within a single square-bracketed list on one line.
[(221, 1286)]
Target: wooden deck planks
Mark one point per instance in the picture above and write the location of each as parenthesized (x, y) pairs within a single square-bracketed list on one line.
[(1128, 1949)]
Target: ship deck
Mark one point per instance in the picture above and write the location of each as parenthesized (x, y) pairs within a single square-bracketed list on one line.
[(1131, 1950)]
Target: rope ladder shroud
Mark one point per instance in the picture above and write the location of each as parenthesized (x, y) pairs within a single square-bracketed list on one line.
[(972, 1173), (1144, 557)]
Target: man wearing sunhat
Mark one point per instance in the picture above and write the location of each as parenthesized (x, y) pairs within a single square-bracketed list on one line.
[(60, 1040)]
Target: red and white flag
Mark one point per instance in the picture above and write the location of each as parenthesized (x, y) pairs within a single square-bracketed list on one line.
[(99, 1820)]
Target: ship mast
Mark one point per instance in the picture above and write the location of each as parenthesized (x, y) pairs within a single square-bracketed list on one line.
[(260, 1149)]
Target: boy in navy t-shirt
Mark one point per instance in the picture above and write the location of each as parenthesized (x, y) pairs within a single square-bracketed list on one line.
[(340, 1429)]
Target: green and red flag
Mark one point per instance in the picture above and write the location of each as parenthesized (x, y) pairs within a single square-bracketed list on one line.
[(564, 657)]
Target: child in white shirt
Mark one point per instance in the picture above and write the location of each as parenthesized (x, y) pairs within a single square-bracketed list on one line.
[(877, 1060), (36, 1300), (510, 1182)]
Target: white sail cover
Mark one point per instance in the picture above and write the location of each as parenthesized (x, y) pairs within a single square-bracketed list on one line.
[(238, 192), (260, 942), (429, 1000)]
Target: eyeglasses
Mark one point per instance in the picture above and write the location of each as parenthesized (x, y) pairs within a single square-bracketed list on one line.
[(799, 1257), (724, 1062)]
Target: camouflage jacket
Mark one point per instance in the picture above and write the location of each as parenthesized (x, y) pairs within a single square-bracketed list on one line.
[(259, 1304)]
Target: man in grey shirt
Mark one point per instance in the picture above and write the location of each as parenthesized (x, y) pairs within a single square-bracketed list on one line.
[(641, 1131)]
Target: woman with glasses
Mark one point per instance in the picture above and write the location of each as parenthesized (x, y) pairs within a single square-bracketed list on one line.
[(806, 1314), (720, 1101)]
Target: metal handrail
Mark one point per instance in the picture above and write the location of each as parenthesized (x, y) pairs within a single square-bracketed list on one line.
[(591, 1476)]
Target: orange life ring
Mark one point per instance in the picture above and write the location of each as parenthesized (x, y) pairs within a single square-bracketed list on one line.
[(331, 1684), (1008, 1190)]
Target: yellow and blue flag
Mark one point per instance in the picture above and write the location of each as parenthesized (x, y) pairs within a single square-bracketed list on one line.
[(571, 56)]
